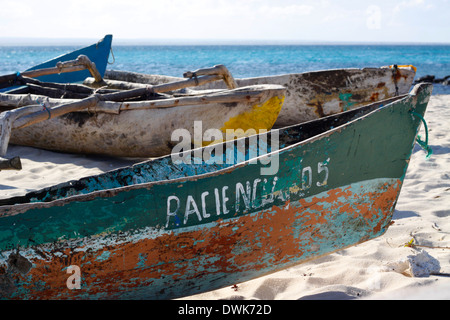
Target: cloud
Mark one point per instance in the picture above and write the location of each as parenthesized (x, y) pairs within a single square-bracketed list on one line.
[(289, 10), (15, 10), (408, 4), (321, 20)]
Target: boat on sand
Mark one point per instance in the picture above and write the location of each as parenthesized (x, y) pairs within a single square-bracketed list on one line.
[(97, 53), (137, 122), (165, 228), (311, 95)]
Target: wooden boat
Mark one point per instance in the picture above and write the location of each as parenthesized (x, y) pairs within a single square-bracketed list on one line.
[(98, 53), (312, 95), (143, 127), (162, 229)]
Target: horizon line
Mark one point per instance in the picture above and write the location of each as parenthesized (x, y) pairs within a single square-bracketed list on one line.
[(8, 41)]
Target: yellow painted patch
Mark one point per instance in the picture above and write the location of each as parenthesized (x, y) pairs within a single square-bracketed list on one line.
[(294, 189), (261, 116), (405, 66)]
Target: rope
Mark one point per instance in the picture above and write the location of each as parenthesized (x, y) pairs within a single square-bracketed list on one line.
[(423, 144), (194, 76), (45, 108), (114, 58), (150, 91)]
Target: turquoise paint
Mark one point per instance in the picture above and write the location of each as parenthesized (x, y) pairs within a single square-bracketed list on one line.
[(104, 256), (142, 260), (352, 163), (345, 97)]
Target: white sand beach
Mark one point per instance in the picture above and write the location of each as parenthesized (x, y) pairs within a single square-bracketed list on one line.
[(383, 268)]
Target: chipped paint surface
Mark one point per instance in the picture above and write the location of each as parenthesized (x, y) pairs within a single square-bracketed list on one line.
[(313, 95), (208, 226), (158, 263), (148, 132)]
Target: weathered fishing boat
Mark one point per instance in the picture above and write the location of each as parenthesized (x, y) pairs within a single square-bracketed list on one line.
[(98, 53), (312, 95), (143, 126), (167, 228)]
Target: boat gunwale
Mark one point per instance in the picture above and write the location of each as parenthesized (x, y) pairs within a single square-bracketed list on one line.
[(313, 72), (252, 93)]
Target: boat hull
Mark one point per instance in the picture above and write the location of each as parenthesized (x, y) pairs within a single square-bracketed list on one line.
[(313, 95), (150, 132), (212, 228), (97, 53)]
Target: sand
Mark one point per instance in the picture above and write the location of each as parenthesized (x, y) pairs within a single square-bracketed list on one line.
[(383, 268)]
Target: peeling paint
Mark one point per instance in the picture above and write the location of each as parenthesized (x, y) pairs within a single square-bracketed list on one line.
[(144, 132), (313, 95), (128, 245)]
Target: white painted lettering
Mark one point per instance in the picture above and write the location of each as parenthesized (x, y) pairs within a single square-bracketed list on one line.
[(249, 196), (255, 184), (169, 212), (205, 214), (217, 197), (245, 195), (306, 178), (224, 200), (322, 166), (271, 198), (190, 202)]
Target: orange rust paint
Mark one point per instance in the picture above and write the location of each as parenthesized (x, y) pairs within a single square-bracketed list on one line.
[(375, 96), (249, 244), (398, 75)]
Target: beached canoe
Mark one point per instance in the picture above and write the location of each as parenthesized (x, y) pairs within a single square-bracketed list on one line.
[(164, 229), (145, 127), (97, 53), (312, 95)]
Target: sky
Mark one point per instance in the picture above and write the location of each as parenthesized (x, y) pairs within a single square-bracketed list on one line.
[(229, 20)]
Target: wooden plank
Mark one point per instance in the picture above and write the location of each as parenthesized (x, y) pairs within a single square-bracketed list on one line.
[(216, 70), (81, 63)]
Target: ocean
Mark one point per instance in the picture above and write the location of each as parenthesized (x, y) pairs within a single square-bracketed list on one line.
[(248, 60)]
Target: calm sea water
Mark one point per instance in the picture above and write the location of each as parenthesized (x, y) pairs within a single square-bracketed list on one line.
[(248, 60)]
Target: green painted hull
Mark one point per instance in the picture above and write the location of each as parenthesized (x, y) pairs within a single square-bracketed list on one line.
[(161, 230)]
